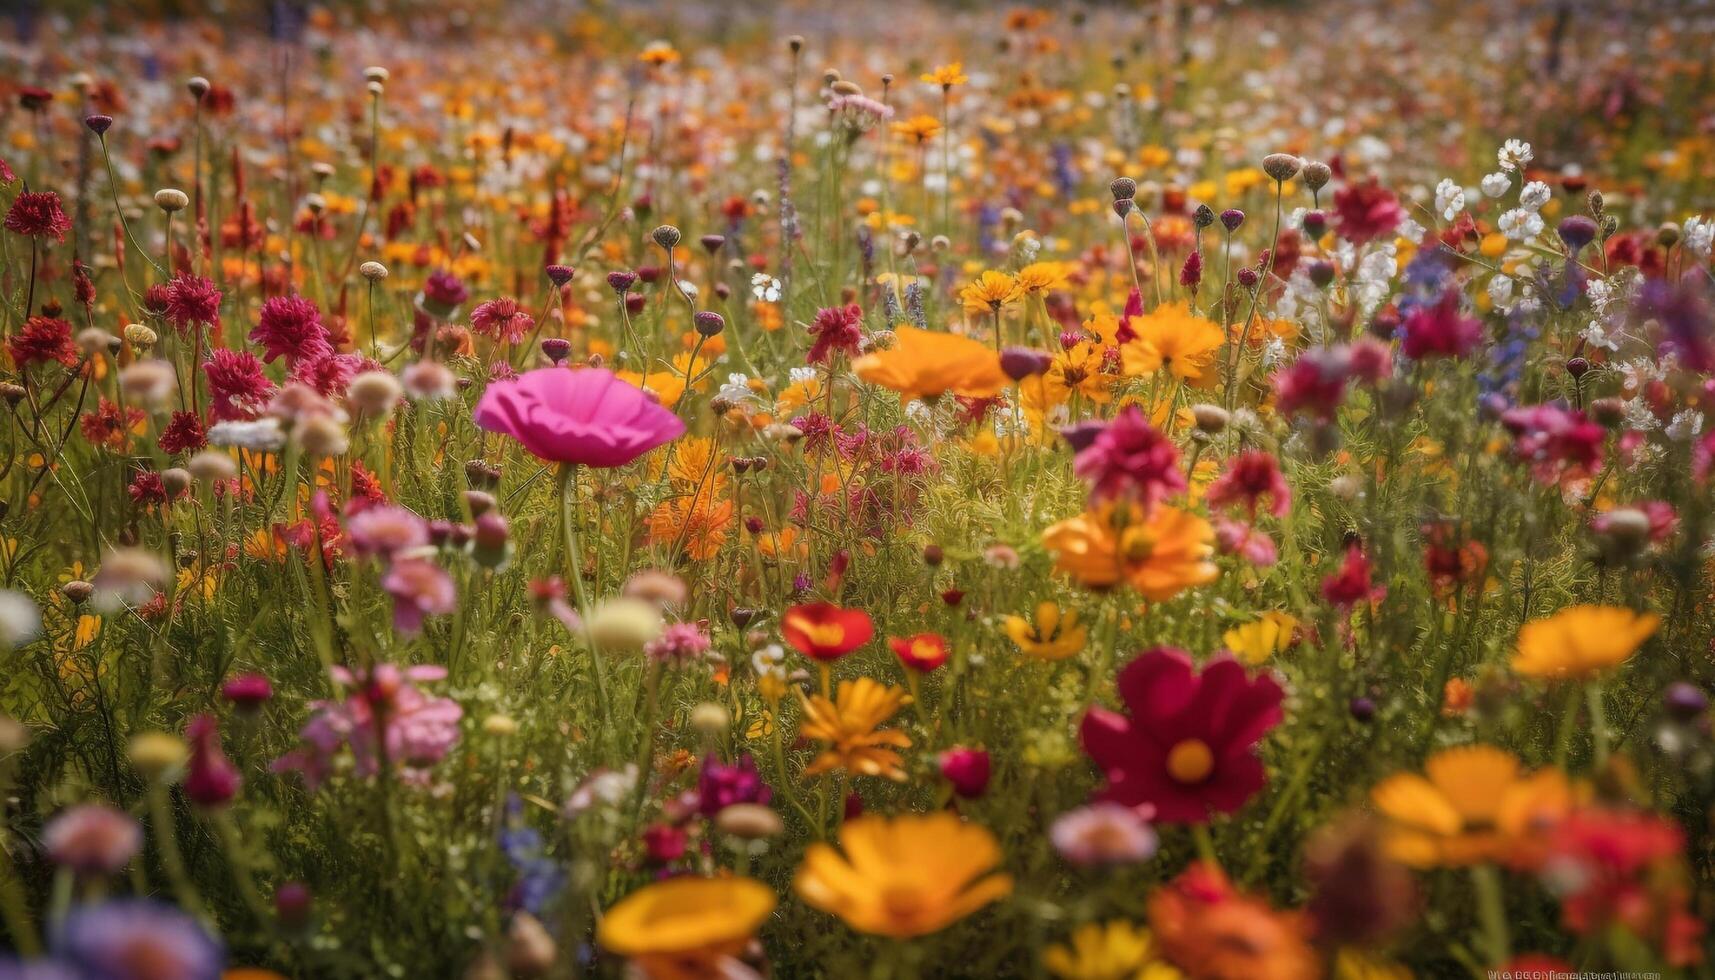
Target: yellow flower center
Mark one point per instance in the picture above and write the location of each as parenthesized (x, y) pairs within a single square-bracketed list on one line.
[(825, 634), (1136, 545), (1190, 761)]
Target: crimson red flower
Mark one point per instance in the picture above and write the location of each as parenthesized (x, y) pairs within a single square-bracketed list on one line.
[(110, 427), (237, 387), (1189, 746), (824, 631), (501, 319), (1366, 212), (191, 300), (1555, 440), (922, 653), (38, 214), (1249, 477), (1440, 330), (291, 327), (183, 433), (836, 330), (1130, 460), (211, 780), (1351, 584), (967, 769), (43, 339)]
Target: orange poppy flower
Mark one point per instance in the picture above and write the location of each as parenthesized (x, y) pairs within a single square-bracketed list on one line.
[(824, 631)]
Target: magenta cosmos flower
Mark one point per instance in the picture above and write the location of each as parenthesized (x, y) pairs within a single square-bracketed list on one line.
[(1189, 747), (587, 416)]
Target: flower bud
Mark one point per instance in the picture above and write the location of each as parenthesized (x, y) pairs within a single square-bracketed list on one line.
[(1316, 175), (170, 199), (666, 236), (373, 271), (1281, 166)]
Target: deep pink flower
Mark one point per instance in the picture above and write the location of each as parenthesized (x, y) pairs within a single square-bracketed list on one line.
[(380, 712), (967, 769), (247, 692), (501, 319), (1556, 441), (1130, 460), (1249, 477), (1351, 583), (1245, 540), (183, 433), (1440, 330), (192, 300), (444, 292), (237, 387), (836, 329), (1315, 384), (37, 214), (420, 588), (211, 779), (587, 416), (329, 374), (1366, 212), (291, 327), (1189, 746)]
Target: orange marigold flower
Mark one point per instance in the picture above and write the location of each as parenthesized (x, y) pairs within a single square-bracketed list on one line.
[(1473, 804), (990, 292), (698, 522), (947, 75), (1579, 642), (1173, 338)]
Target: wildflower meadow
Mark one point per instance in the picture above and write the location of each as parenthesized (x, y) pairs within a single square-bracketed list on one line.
[(698, 489)]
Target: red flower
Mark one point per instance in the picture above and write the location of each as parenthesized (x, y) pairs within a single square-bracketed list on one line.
[(1440, 330), (1366, 212), (38, 214), (43, 339), (824, 631), (237, 385), (108, 426), (1351, 584), (836, 330), (1189, 746), (922, 653), (190, 300), (501, 319), (291, 327), (184, 433), (1249, 477)]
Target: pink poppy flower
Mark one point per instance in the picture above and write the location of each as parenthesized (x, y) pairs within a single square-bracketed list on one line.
[(1189, 746), (587, 416)]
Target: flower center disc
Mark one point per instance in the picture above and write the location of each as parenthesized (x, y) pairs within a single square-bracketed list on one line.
[(1190, 761)]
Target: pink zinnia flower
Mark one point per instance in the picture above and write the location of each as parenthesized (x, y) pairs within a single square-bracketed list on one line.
[(386, 530), (291, 327), (501, 319), (587, 416), (1188, 747), (1130, 460)]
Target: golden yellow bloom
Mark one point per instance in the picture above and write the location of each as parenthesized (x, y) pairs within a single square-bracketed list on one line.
[(698, 522), (904, 877), (1160, 555), (919, 129), (1081, 369), (1039, 278), (947, 75), (848, 724), (924, 363), (990, 292), (1052, 637), (1474, 806), (1114, 950), (658, 53), (1171, 337), (684, 927), (1256, 641), (1581, 641)]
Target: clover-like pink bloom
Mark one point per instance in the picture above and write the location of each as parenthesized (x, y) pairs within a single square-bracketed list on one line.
[(1189, 746), (586, 416)]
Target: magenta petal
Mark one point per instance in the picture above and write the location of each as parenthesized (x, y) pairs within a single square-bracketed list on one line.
[(588, 417), (1156, 687), (1107, 738)]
